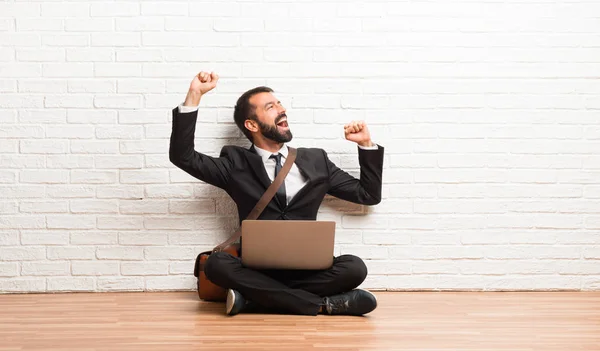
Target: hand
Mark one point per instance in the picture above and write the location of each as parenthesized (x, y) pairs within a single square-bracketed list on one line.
[(202, 83), (358, 132)]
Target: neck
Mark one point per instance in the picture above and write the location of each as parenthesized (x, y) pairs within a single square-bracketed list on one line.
[(267, 144)]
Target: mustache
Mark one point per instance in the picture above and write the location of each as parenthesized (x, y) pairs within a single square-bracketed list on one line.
[(280, 117)]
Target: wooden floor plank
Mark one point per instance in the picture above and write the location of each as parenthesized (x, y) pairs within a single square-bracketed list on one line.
[(515, 321)]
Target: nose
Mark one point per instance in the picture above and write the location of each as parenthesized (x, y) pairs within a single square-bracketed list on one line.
[(280, 109)]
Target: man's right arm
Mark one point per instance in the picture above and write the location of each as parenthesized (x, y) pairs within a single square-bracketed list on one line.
[(214, 171)]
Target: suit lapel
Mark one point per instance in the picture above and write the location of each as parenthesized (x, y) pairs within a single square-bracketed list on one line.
[(305, 166), (258, 167)]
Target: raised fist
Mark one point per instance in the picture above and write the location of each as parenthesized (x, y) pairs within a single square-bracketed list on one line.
[(358, 132), (204, 82)]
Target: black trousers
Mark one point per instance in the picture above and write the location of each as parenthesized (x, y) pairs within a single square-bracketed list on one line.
[(286, 291)]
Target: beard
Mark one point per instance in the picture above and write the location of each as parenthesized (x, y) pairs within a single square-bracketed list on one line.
[(272, 132)]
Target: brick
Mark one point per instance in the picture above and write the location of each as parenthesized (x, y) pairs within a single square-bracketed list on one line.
[(139, 24), (169, 223), (69, 161), (89, 54), (71, 253), (43, 55), (93, 177), (94, 268), (94, 147), (67, 70), (121, 162), (8, 207), (121, 39), (19, 101), (142, 238), (142, 117), (171, 283), (22, 253), (120, 253), (119, 132), (9, 146), (64, 40), (120, 222), (91, 117), (71, 284), (117, 101), (183, 267), (118, 70), (21, 191), (120, 192), (23, 285), (64, 101), (9, 269), (92, 86), (94, 206), (144, 147), (43, 207), (109, 9), (88, 25), (120, 284), (192, 206), (22, 222), (8, 177), (70, 191), (9, 238), (93, 238), (45, 268), (193, 238), (44, 177), (141, 86), (144, 207), (143, 177), (42, 86), (71, 222), (144, 268), (169, 253), (155, 8)]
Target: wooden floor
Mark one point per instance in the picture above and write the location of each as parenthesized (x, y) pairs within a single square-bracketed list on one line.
[(565, 321)]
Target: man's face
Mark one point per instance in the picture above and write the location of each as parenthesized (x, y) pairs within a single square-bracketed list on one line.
[(272, 118)]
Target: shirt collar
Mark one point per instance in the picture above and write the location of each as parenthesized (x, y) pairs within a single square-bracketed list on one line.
[(264, 154)]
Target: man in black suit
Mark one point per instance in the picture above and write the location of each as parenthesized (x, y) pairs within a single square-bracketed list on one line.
[(245, 174)]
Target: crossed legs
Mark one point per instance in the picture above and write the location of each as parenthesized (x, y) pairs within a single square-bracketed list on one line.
[(289, 291)]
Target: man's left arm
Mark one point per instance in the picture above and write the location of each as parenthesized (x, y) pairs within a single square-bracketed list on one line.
[(367, 189)]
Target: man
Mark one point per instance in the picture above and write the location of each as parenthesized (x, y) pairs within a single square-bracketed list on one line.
[(245, 175)]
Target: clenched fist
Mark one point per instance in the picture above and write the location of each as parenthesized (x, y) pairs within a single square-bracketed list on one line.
[(202, 83), (358, 132)]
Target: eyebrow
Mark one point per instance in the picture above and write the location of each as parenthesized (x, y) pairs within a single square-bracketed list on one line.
[(270, 102)]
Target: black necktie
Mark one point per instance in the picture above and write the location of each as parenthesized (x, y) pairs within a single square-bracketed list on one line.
[(281, 191)]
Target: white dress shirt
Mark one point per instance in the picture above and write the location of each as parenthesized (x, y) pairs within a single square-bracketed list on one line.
[(294, 181)]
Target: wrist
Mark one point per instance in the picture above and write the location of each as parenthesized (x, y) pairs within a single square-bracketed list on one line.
[(192, 98), (366, 143)]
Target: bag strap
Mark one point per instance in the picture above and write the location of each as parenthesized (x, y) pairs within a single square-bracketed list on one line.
[(264, 200)]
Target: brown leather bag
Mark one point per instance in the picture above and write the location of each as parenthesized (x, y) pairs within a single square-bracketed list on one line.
[(209, 291)]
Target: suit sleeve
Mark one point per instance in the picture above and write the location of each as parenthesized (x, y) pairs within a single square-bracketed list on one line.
[(367, 189), (212, 170)]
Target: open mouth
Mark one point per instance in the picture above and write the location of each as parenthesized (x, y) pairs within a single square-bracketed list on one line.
[(283, 124)]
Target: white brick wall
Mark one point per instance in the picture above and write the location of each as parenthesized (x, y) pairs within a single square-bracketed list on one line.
[(488, 111)]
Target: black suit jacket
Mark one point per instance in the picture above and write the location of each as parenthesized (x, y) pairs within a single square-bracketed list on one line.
[(241, 173)]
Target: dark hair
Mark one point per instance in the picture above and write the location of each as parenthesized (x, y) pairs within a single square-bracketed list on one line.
[(245, 110)]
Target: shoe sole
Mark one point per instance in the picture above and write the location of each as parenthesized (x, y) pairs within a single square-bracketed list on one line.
[(230, 301)]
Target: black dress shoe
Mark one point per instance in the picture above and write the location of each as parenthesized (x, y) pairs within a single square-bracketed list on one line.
[(355, 303), (235, 302)]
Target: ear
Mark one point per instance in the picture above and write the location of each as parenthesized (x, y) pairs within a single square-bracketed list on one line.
[(251, 125)]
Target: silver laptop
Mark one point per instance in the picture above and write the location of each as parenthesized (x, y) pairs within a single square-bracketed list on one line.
[(287, 244)]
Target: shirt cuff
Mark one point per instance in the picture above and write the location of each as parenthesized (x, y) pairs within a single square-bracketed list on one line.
[(374, 147), (187, 109)]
